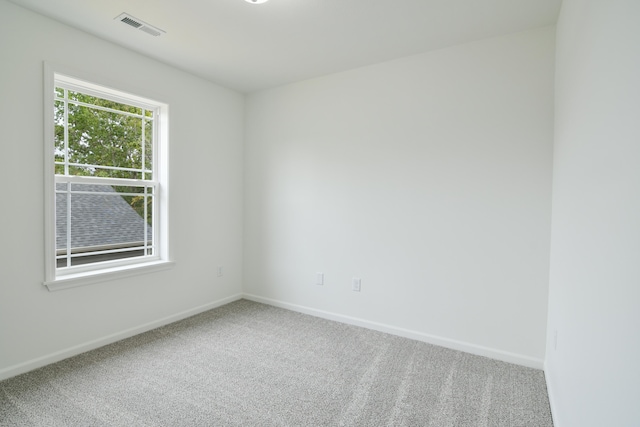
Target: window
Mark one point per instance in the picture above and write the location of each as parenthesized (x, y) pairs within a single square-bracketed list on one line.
[(106, 185)]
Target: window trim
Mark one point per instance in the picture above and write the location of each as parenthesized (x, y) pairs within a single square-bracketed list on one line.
[(106, 270)]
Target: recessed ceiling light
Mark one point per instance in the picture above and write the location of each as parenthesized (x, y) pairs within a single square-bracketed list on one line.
[(255, 1)]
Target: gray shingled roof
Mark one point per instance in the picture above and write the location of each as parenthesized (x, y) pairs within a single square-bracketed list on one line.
[(98, 219)]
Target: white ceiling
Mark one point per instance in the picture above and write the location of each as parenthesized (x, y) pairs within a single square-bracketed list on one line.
[(251, 47)]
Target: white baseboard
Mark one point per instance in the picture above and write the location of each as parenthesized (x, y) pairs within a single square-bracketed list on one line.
[(504, 356), (39, 362)]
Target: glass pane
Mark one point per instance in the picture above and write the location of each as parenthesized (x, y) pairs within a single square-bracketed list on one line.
[(103, 172), (135, 197), (102, 220), (61, 218), (129, 189), (148, 148), (102, 138), (58, 139), (93, 100), (77, 170)]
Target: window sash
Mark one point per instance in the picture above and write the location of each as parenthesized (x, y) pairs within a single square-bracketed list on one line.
[(66, 86), (148, 245)]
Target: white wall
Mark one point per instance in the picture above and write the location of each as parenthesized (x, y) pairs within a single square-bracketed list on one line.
[(428, 177), (206, 132), (594, 298)]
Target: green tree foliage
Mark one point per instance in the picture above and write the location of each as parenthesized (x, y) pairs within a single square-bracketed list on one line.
[(105, 133)]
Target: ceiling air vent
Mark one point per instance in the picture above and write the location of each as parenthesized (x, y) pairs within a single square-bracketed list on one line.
[(139, 24)]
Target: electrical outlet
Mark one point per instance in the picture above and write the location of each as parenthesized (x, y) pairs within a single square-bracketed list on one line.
[(319, 278), (219, 271), (355, 284)]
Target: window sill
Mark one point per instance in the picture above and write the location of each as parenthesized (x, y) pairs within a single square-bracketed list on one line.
[(89, 278)]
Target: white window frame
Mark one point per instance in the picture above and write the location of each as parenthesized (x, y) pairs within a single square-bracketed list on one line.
[(57, 278)]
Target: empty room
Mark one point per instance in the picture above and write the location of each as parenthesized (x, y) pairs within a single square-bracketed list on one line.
[(320, 213)]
